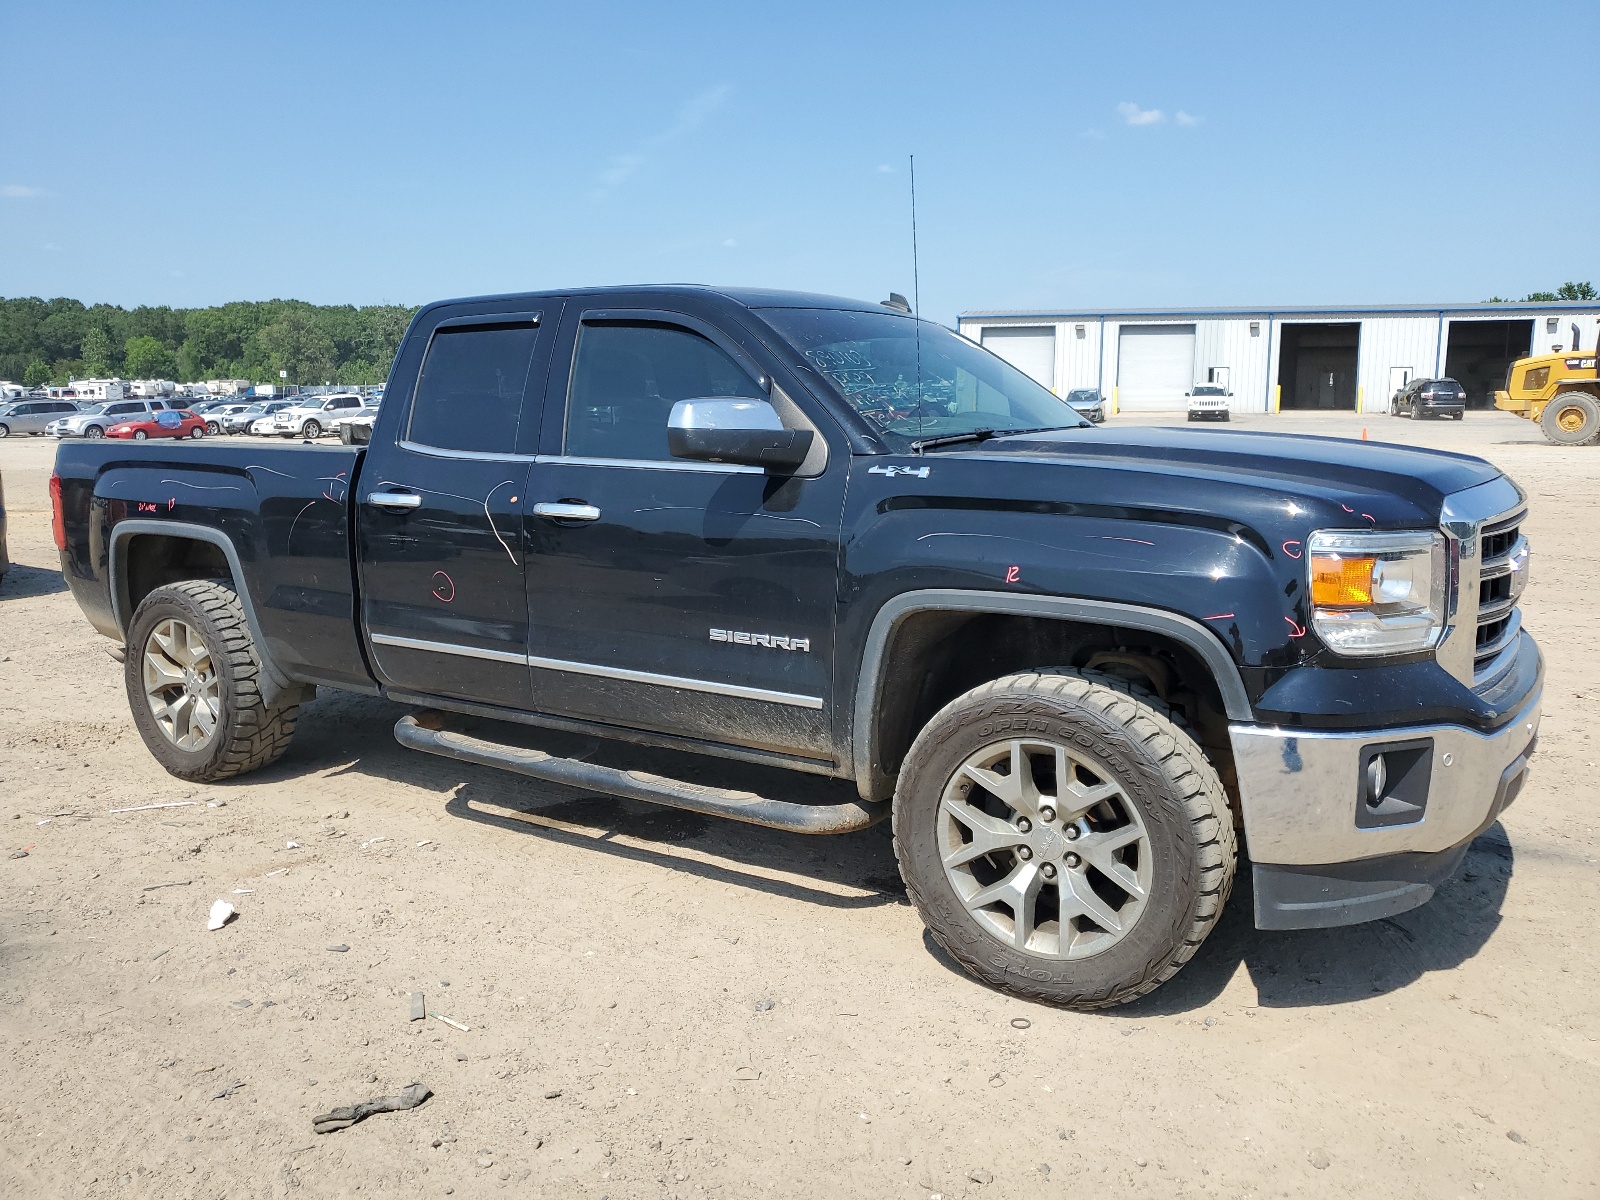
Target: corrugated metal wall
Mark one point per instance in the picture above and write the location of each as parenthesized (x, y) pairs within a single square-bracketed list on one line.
[(1416, 340)]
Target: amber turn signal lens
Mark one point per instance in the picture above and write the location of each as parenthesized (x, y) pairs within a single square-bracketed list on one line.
[(1338, 582)]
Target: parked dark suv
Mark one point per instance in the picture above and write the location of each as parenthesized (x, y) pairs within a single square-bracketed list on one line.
[(1429, 398)]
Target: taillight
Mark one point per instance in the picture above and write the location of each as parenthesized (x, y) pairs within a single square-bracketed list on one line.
[(58, 523)]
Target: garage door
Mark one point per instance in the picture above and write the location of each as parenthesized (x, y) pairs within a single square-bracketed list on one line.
[(1030, 349), (1155, 366)]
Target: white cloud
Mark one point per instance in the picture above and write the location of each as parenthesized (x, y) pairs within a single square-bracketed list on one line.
[(691, 115), (885, 169), (1186, 119), (1134, 115), (729, 243), (19, 191)]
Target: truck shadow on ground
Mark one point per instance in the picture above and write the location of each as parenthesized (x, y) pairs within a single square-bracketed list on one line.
[(1309, 967), (1304, 968), (22, 582), (847, 871)]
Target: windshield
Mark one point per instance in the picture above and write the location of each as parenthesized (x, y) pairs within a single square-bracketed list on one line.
[(1208, 389), (94, 410), (1083, 396), (873, 359)]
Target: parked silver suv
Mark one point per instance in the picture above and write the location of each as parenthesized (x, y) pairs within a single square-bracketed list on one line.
[(92, 422), (31, 416)]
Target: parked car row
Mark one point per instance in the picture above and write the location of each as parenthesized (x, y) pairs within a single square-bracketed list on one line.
[(308, 416)]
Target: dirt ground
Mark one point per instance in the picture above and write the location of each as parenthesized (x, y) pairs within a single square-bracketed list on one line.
[(664, 1005)]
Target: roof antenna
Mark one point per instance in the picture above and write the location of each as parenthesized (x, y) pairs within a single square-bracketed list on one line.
[(916, 294)]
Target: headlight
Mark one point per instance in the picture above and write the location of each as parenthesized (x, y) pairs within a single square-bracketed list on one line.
[(1377, 593)]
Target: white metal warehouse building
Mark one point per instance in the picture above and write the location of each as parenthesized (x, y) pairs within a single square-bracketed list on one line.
[(1281, 358)]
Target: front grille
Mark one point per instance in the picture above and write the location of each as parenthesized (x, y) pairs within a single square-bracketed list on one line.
[(1502, 574)]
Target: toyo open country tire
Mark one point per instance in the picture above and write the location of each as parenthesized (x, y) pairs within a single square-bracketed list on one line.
[(192, 675), (1571, 419), (1138, 850)]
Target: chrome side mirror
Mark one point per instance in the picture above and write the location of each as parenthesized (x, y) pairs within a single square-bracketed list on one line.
[(740, 431)]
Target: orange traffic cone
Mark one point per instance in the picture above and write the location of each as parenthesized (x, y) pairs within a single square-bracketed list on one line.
[(1363, 433)]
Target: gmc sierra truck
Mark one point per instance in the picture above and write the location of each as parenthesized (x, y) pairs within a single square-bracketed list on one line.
[(1077, 666)]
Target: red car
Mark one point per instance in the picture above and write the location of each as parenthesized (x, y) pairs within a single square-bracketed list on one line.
[(171, 423)]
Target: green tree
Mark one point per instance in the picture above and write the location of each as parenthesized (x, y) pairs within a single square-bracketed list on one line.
[(294, 343), (1567, 291), (96, 353), (36, 372), (147, 358)]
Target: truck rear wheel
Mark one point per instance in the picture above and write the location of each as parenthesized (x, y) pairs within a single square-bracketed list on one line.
[(1571, 419), (193, 674), (1063, 838)]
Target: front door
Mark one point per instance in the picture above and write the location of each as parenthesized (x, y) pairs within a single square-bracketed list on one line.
[(442, 488), (690, 598)]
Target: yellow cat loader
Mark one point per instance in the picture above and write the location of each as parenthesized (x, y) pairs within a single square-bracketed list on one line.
[(1559, 391)]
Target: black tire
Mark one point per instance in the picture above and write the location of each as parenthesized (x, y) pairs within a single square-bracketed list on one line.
[(1457, 416), (1188, 829), (311, 429), (94, 432), (5, 431), (213, 428), (248, 734), (197, 433), (140, 435), (1416, 413), (1571, 419)]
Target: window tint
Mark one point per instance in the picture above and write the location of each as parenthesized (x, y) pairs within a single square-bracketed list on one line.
[(470, 394), (627, 376)]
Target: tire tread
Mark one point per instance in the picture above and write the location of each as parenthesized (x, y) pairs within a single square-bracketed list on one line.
[(258, 735), (1192, 780)]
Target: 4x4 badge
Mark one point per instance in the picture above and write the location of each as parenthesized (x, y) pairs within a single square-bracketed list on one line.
[(919, 472)]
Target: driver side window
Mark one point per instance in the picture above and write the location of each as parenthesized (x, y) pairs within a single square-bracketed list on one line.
[(627, 375)]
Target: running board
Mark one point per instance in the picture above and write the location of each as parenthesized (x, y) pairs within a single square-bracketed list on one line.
[(638, 785)]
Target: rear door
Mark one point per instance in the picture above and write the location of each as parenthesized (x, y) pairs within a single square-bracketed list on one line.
[(440, 541), (691, 598)]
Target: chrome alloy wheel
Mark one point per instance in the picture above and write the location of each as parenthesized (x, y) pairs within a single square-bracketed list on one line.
[(1044, 848), (181, 685)]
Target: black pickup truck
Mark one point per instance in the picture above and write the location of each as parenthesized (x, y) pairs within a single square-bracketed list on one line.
[(1075, 663)]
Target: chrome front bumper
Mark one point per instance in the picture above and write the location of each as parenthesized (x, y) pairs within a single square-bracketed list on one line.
[(1300, 790)]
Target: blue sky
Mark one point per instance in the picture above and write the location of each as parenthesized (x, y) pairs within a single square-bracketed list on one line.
[(1069, 155)]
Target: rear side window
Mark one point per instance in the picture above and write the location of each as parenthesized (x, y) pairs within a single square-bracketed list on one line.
[(469, 396), (627, 376)]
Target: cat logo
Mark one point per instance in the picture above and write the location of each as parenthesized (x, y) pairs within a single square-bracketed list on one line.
[(771, 641)]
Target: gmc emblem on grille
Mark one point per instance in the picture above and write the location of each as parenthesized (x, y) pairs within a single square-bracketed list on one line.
[(772, 641)]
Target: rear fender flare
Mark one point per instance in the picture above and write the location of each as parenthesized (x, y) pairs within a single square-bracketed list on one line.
[(274, 680)]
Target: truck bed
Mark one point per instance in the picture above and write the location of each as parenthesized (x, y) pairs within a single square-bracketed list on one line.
[(280, 514)]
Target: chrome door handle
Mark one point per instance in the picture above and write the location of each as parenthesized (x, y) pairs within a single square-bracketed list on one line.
[(396, 500), (567, 512)]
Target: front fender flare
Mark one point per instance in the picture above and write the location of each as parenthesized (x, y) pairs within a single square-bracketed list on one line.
[(869, 684)]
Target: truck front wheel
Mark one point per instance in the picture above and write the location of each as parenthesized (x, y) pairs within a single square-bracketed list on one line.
[(1571, 419), (193, 674), (1063, 838)]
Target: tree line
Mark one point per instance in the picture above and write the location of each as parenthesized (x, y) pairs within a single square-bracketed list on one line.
[(1567, 291), (52, 341)]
